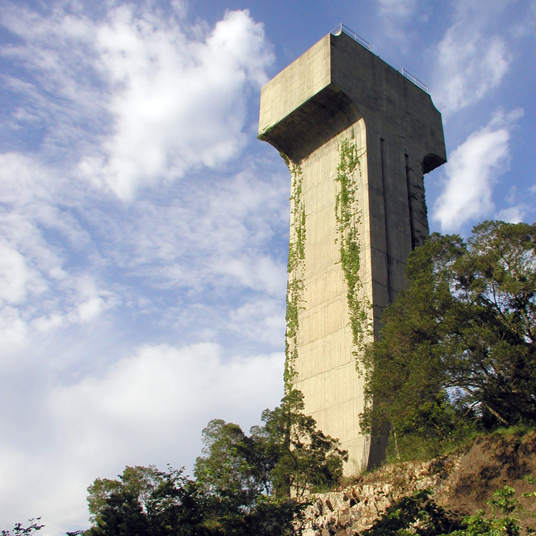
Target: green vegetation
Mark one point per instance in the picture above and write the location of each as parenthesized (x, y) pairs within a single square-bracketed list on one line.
[(297, 216), (295, 287), (457, 351), (414, 515), (146, 502), (268, 471), (244, 484), (421, 515), (296, 267), (348, 217)]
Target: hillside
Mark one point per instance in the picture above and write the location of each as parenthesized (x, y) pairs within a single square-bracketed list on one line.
[(462, 482)]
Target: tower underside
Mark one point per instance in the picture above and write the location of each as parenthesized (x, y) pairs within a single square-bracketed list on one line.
[(358, 137)]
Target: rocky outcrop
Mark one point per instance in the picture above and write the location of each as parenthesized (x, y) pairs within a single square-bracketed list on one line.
[(355, 508), (460, 482)]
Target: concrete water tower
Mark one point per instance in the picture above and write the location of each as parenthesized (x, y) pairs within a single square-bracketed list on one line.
[(358, 137)]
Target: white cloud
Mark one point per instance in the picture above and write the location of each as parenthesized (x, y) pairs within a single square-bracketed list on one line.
[(158, 101), (395, 15), (13, 331), (468, 69), (13, 275), (260, 272), (149, 407), (471, 174), (218, 232), (401, 9), (470, 60), (260, 320), (515, 210), (33, 274), (176, 104), (513, 214), (137, 100)]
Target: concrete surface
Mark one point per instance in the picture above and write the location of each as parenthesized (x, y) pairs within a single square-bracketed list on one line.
[(337, 90)]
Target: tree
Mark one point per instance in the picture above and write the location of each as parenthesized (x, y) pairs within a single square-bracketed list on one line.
[(254, 482), (303, 458), (232, 464), (231, 471), (288, 455), (458, 347), (144, 501), (136, 482), (245, 484)]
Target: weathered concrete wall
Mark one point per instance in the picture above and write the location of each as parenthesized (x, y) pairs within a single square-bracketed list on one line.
[(340, 93), (325, 364)]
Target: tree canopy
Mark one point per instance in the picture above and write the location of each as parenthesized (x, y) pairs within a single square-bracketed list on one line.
[(245, 484), (287, 456), (261, 477), (145, 501), (458, 348), (303, 458)]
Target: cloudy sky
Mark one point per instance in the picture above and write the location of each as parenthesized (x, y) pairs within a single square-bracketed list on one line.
[(144, 228)]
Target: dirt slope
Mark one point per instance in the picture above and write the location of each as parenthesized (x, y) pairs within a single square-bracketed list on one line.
[(461, 482)]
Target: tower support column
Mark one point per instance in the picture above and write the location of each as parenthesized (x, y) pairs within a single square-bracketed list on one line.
[(358, 138)]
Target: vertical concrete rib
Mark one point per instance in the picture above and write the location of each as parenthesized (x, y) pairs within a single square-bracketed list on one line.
[(410, 203), (336, 98), (388, 262)]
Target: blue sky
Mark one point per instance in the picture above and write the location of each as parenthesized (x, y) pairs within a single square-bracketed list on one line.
[(144, 228)]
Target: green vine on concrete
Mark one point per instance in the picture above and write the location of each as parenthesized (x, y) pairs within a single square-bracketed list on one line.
[(348, 217), (296, 253), (296, 268)]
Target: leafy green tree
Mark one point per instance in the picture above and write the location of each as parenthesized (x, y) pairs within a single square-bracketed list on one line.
[(144, 501), (303, 458), (232, 464), (244, 484), (287, 456), (231, 471), (253, 482), (458, 347), (137, 482)]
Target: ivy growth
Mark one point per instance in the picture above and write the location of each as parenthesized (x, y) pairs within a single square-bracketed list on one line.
[(296, 267), (348, 217)]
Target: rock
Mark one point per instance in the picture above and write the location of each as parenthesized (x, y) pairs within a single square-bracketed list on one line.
[(351, 510), (461, 482)]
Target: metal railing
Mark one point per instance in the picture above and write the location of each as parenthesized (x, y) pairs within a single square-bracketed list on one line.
[(341, 28), (415, 80)]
